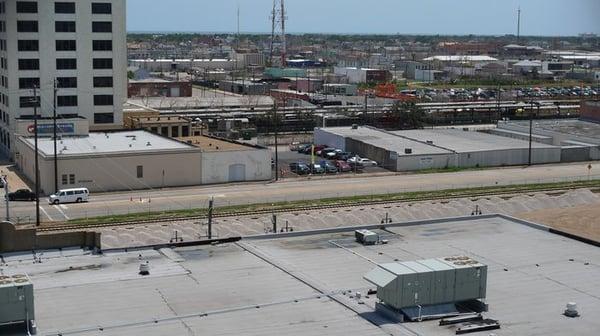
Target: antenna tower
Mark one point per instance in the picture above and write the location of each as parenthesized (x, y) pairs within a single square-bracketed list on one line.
[(519, 24), (278, 18)]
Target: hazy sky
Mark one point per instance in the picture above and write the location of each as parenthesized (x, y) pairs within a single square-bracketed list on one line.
[(489, 17)]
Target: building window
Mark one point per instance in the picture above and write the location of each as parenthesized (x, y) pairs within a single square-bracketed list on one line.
[(27, 7), (104, 118), (28, 83), (140, 171), (65, 179), (185, 131), (71, 178), (29, 45), (101, 27), (103, 82), (102, 63), (27, 26), (64, 7), (66, 63), (64, 26), (66, 101), (103, 100), (175, 131), (67, 82), (66, 45), (25, 102), (102, 45), (101, 8), (29, 64), (164, 131)]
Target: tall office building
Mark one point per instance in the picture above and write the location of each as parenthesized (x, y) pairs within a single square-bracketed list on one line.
[(77, 46)]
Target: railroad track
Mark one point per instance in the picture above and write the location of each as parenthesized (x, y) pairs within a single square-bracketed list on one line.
[(225, 214)]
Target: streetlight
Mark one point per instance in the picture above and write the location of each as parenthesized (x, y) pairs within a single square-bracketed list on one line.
[(532, 103)]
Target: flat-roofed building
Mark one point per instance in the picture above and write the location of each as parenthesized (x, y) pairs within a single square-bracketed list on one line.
[(138, 159)]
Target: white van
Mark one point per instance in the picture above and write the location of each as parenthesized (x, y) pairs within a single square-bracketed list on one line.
[(75, 195)]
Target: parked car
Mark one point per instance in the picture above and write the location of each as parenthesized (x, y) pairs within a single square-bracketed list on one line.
[(316, 168), (364, 161), (342, 166), (343, 155), (74, 195), (21, 195), (326, 151), (329, 167), (355, 166), (318, 149), (299, 168), (303, 147)]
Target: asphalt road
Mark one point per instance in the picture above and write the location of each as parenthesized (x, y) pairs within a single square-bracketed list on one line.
[(293, 189)]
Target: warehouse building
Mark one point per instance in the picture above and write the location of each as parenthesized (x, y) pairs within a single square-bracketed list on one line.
[(138, 159), (435, 148)]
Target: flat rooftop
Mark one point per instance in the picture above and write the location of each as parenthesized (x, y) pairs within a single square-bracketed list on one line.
[(206, 101), (210, 144), (468, 141), (304, 284), (109, 143), (387, 140), (569, 127)]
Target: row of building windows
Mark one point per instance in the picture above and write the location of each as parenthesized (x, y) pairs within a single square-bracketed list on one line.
[(2, 7), (4, 82), (59, 26), (63, 7), (65, 101), (64, 45), (62, 82), (5, 117), (2, 45), (65, 63), (3, 63)]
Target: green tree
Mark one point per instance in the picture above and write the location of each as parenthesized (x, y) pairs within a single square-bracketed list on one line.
[(406, 115)]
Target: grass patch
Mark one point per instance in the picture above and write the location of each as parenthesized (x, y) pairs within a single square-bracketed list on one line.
[(338, 201)]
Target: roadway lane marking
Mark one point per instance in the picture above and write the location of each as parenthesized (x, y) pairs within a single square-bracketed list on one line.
[(46, 213), (64, 207), (58, 207)]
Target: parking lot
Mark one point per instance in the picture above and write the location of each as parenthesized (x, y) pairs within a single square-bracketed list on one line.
[(286, 157)]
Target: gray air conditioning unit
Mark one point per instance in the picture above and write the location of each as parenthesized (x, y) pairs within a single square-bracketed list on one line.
[(16, 301), (366, 237)]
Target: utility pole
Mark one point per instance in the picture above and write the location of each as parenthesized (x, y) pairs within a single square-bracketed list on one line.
[(37, 169), (210, 216), (54, 137), (276, 143), (5, 183), (530, 131), (519, 24)]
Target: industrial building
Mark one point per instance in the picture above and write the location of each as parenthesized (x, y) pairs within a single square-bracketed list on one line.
[(435, 148), (78, 45), (311, 283), (362, 75), (156, 87), (185, 65), (138, 159)]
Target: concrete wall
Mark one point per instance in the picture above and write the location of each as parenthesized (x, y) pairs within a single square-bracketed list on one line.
[(323, 137), (217, 166), (522, 136), (15, 240), (575, 154), (420, 162), (509, 157)]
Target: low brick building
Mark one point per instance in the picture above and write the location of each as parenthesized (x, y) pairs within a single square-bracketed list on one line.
[(155, 87)]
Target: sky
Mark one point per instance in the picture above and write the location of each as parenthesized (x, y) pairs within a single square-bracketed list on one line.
[(443, 17)]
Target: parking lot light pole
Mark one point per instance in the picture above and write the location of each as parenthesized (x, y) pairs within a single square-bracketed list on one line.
[(532, 103), (276, 143), (5, 183)]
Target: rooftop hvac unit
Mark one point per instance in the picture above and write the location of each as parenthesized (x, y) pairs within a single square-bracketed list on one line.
[(408, 151), (354, 126), (429, 282), (366, 237), (16, 301)]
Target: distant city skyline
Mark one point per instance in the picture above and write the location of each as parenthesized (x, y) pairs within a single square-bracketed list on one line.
[(431, 17)]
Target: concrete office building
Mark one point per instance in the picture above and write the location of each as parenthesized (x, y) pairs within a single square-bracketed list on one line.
[(79, 44), (130, 160), (435, 148)]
